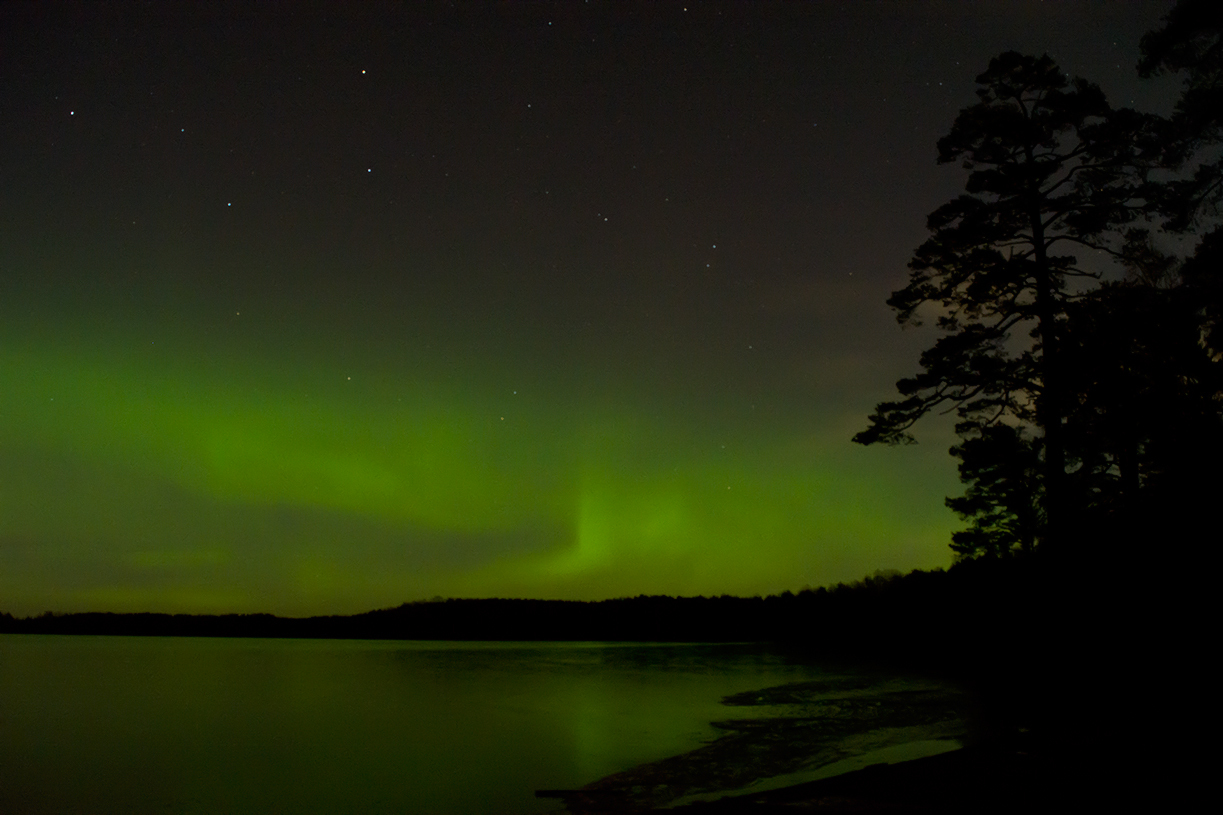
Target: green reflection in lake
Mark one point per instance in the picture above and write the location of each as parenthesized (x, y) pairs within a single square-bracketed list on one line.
[(142, 725)]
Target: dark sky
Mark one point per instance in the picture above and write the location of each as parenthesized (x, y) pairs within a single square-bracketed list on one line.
[(322, 307)]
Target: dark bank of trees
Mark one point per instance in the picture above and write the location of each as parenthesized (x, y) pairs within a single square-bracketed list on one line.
[(643, 619), (1076, 286), (884, 617)]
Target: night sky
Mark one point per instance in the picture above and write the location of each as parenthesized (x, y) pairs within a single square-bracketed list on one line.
[(320, 308)]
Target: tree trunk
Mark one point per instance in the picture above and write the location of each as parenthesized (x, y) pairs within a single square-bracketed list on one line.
[(1049, 407)]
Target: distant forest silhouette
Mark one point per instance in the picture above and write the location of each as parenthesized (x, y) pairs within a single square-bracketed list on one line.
[(885, 613)]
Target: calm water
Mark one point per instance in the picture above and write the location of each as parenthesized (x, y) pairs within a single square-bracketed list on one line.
[(182, 725)]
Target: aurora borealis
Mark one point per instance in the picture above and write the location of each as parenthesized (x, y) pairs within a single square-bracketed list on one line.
[(312, 310)]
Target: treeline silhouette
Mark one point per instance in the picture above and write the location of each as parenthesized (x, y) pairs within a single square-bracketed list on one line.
[(891, 614), (643, 618), (1028, 634)]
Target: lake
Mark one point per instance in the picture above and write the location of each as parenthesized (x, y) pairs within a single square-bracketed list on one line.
[(201, 725)]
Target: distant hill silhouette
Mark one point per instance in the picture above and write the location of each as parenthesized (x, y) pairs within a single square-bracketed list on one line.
[(882, 614)]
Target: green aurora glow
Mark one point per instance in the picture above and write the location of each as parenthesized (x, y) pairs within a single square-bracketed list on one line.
[(540, 300), (199, 486)]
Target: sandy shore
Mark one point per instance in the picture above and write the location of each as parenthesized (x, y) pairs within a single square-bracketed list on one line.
[(798, 736), (971, 779), (977, 779)]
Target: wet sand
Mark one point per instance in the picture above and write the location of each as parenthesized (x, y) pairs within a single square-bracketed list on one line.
[(970, 779), (800, 734)]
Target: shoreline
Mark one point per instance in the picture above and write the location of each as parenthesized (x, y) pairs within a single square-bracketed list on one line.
[(892, 754), (1015, 778), (806, 733)]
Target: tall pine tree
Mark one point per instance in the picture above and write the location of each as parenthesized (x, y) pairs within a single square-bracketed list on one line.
[(1051, 171)]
